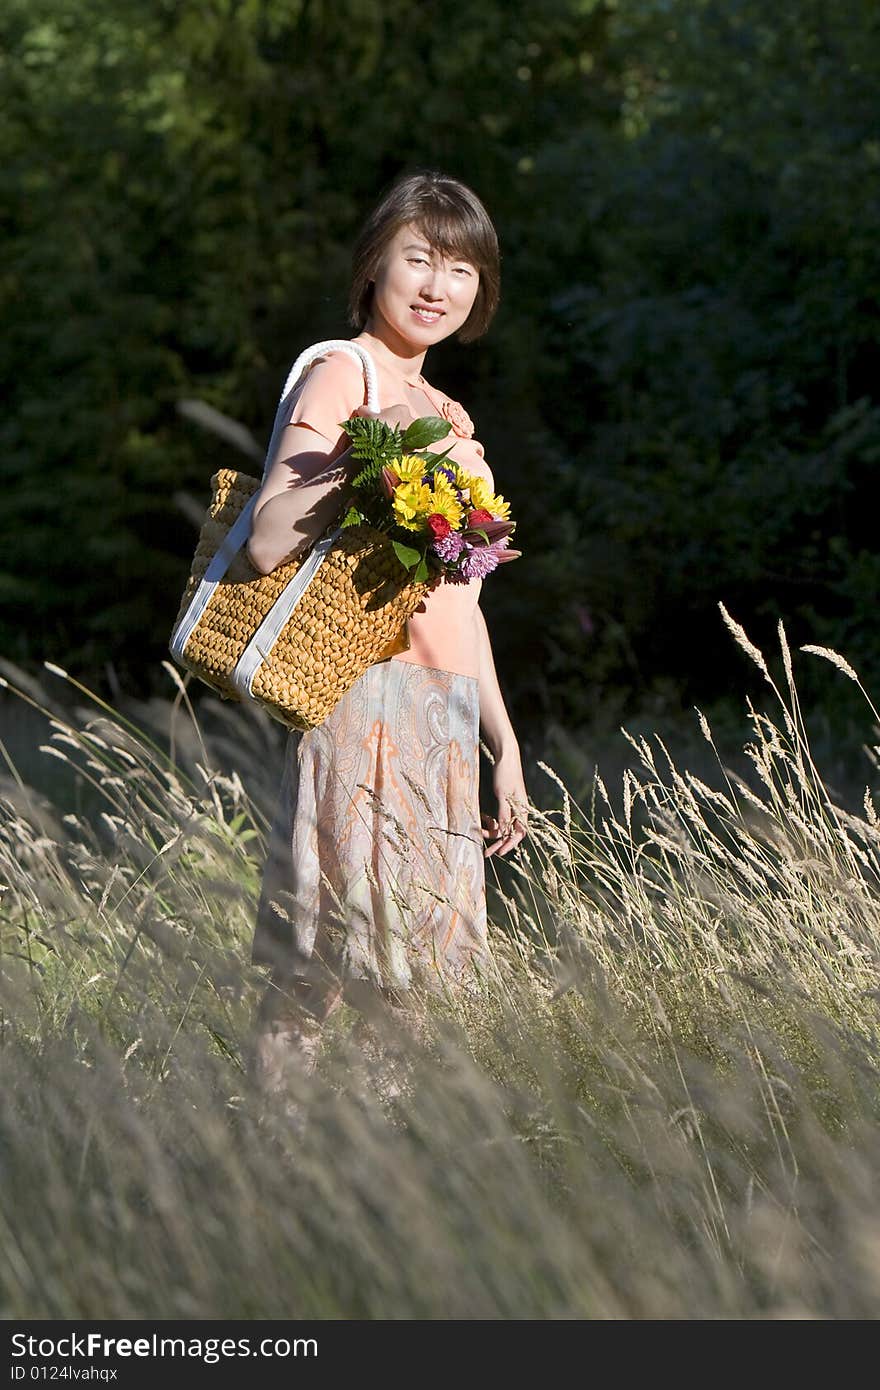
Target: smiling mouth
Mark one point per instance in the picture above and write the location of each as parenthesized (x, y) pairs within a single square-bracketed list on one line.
[(428, 315)]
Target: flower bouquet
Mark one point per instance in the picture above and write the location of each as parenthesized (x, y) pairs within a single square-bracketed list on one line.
[(442, 520)]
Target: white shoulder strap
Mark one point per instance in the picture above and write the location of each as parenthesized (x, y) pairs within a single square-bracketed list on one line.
[(355, 350), (238, 534), (301, 366)]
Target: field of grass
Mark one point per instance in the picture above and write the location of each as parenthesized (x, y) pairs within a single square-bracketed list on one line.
[(666, 1105)]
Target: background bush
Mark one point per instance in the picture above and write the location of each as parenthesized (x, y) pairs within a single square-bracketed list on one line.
[(679, 394)]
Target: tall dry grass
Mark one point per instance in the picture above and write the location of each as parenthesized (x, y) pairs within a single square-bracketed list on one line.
[(666, 1106)]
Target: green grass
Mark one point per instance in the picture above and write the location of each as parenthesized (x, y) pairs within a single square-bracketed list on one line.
[(665, 1107)]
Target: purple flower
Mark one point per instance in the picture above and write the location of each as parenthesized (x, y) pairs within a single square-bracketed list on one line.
[(483, 559), (474, 561), (448, 547), (477, 562)]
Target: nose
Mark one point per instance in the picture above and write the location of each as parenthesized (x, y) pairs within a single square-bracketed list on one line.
[(434, 284)]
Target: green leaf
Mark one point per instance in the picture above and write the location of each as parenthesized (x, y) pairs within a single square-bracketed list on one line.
[(424, 431), (406, 555), (438, 457), (368, 474), (352, 517), (372, 439), (422, 571)]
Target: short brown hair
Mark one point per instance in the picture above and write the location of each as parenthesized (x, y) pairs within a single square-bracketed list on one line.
[(452, 219)]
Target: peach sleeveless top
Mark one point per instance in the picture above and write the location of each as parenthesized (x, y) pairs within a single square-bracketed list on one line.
[(443, 630)]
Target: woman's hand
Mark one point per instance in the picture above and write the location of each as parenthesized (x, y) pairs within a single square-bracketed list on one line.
[(393, 415), (511, 825)]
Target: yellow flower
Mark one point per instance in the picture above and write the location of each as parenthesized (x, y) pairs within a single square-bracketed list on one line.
[(446, 502), (483, 496), (413, 502), (480, 494), (409, 468)]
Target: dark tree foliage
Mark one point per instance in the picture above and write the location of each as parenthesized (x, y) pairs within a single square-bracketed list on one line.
[(679, 395)]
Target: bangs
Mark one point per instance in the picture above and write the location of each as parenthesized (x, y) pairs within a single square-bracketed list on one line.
[(453, 233)]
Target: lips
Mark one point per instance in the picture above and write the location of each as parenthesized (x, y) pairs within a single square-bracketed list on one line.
[(427, 315)]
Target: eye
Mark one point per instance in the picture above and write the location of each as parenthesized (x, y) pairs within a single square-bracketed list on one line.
[(463, 270), (418, 260)]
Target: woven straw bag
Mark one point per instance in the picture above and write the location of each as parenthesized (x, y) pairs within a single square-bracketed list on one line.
[(297, 639)]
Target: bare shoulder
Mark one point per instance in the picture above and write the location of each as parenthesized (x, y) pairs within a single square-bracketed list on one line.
[(331, 389), (338, 368)]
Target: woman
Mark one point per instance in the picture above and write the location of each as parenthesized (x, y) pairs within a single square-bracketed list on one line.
[(374, 886)]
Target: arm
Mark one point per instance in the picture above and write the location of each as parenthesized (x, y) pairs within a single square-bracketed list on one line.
[(511, 823), (494, 719), (308, 481), (303, 493)]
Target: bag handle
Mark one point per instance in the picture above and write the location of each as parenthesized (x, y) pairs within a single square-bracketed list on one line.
[(355, 350), (238, 533), (299, 369)]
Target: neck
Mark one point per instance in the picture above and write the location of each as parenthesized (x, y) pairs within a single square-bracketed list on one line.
[(390, 348)]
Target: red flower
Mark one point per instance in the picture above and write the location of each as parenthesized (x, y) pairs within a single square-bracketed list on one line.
[(438, 525), (479, 517)]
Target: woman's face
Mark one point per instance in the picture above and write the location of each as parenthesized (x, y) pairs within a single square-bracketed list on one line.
[(419, 294)]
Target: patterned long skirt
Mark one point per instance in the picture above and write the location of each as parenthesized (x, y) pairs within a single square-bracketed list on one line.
[(375, 874)]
